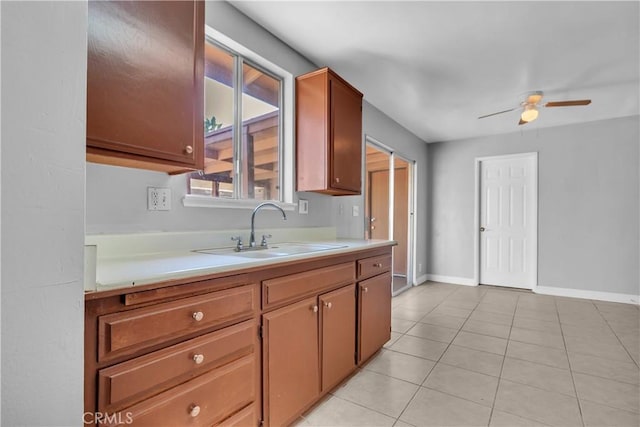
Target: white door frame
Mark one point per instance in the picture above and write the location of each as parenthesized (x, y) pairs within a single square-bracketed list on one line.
[(476, 209), (413, 165)]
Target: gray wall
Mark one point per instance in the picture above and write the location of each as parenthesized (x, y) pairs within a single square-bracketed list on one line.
[(588, 209), (377, 125), (116, 197), (43, 165)]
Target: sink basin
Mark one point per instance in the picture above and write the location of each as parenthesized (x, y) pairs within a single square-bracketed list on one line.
[(275, 251)]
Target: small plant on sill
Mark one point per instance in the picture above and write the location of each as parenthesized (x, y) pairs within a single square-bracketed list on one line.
[(210, 124)]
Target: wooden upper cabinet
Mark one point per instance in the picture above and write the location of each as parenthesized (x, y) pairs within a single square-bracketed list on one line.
[(328, 134), (145, 79)]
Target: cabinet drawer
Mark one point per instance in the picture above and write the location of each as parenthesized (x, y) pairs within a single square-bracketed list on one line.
[(132, 381), (203, 401), (375, 265), (245, 418), (290, 287), (130, 331)]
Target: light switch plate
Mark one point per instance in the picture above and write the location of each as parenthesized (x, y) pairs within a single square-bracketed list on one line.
[(303, 207), (355, 210), (158, 199)]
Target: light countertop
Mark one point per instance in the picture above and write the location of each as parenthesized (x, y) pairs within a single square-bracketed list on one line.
[(116, 272)]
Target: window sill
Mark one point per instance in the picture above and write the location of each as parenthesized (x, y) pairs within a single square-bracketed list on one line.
[(193, 201)]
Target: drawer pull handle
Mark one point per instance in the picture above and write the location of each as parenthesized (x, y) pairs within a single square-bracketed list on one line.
[(365, 289), (198, 316), (198, 358), (328, 304), (378, 265), (314, 308), (194, 411)]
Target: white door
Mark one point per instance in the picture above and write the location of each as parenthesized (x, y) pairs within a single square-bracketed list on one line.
[(508, 221)]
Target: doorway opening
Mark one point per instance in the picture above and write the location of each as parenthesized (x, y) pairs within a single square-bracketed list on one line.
[(506, 219), (389, 202)]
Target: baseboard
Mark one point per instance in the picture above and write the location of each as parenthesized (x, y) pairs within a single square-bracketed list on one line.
[(420, 280), (584, 294), (450, 279)]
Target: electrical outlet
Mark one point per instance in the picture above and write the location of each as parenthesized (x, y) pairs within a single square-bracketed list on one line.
[(419, 268), (158, 199), (303, 207), (355, 210), (340, 209)]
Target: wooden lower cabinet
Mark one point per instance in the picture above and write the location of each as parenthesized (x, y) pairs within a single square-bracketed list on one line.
[(258, 347), (308, 347), (192, 360), (374, 315), (338, 327), (290, 352)]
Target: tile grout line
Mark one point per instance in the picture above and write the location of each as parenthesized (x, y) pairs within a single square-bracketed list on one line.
[(573, 381), (436, 362), (504, 357), (431, 370), (447, 348), (616, 335)]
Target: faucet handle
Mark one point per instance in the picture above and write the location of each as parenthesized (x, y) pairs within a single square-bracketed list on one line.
[(264, 239), (239, 245)]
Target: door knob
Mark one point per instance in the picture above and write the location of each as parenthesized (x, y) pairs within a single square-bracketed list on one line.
[(482, 228)]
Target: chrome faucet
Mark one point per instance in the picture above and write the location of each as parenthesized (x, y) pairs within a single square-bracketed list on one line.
[(252, 237)]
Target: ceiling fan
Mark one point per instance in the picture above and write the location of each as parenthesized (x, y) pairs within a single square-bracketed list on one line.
[(531, 105)]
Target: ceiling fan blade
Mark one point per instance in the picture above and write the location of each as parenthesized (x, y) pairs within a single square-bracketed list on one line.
[(522, 122), (568, 103), (499, 112)]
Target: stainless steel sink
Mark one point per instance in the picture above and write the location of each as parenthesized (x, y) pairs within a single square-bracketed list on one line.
[(275, 251)]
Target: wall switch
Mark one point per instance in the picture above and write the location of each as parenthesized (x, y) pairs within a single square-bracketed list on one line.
[(158, 199), (303, 207), (355, 210)]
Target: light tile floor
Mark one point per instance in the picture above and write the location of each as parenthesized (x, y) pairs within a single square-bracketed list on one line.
[(486, 356)]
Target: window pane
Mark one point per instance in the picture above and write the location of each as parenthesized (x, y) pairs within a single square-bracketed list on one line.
[(218, 126), (260, 135)]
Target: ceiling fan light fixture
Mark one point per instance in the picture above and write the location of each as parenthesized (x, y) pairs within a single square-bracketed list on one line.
[(529, 114)]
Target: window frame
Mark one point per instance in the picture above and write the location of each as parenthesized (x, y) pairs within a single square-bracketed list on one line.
[(243, 55)]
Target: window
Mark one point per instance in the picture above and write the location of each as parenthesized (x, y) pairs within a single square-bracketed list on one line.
[(243, 129)]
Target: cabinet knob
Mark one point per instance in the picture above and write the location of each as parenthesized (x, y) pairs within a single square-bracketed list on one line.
[(365, 289), (328, 304), (198, 358), (338, 180), (314, 308), (188, 149), (194, 410), (198, 316)]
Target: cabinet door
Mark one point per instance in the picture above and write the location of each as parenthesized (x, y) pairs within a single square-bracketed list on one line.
[(346, 137), (338, 335), (145, 82), (291, 366), (374, 310)]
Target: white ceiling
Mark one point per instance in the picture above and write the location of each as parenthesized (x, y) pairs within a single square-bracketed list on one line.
[(434, 67)]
